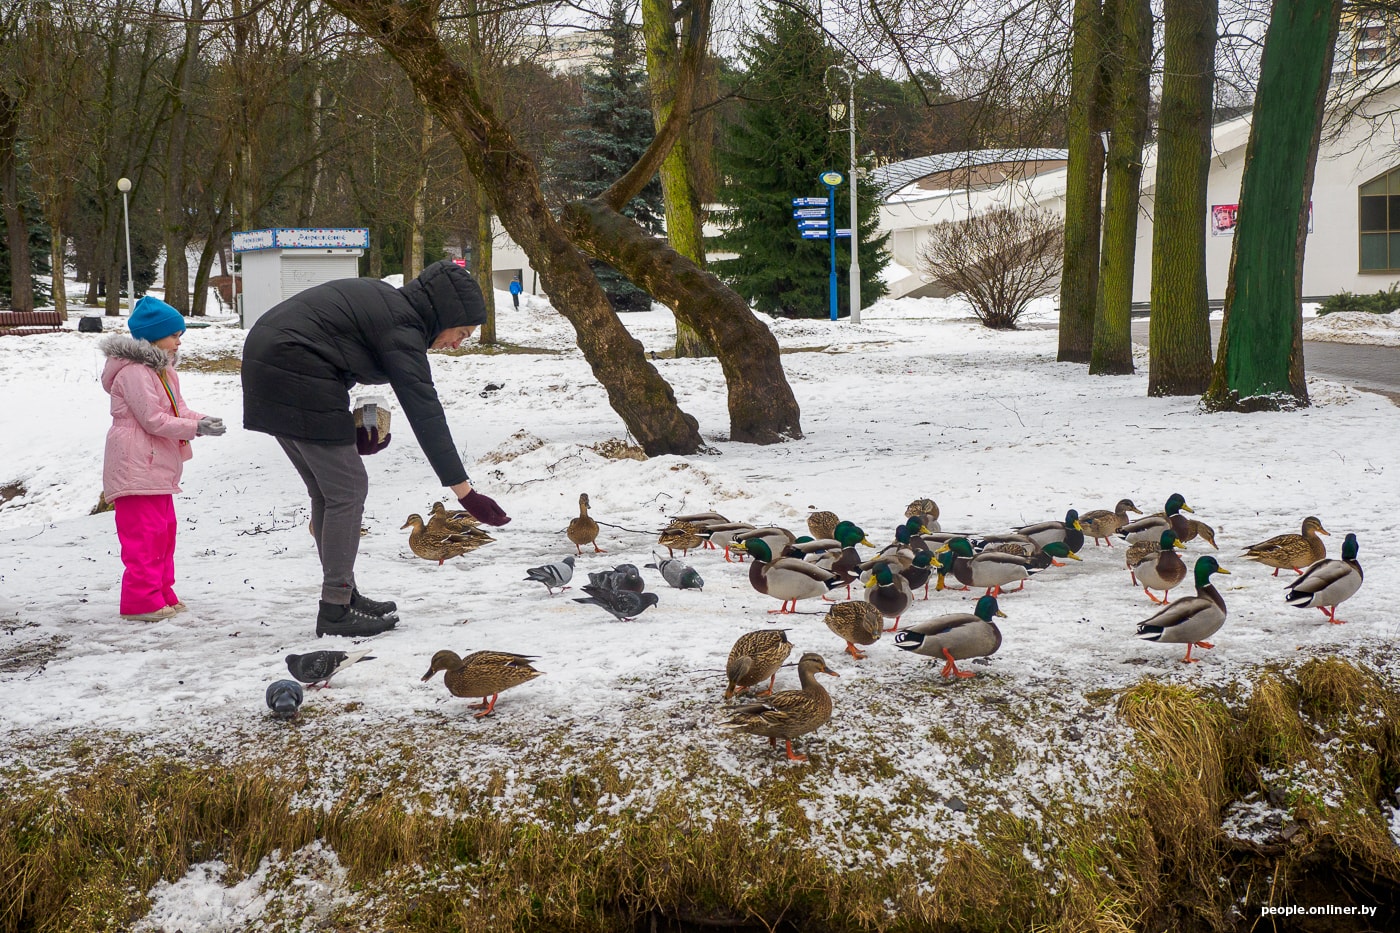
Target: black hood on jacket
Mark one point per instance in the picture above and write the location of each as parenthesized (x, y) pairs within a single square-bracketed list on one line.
[(446, 296)]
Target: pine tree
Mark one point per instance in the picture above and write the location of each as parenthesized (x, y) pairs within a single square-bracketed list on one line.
[(774, 151), (615, 126)]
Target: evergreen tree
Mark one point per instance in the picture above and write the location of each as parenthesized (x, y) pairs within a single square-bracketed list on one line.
[(39, 251), (775, 150), (615, 127)]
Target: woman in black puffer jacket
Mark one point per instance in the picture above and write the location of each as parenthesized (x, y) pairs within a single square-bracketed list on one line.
[(300, 360)]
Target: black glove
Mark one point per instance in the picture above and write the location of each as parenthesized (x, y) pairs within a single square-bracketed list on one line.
[(484, 509), (367, 440)]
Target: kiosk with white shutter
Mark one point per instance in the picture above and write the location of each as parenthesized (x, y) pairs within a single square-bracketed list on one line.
[(277, 264)]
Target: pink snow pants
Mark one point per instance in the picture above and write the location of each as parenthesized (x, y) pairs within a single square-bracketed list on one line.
[(146, 529)]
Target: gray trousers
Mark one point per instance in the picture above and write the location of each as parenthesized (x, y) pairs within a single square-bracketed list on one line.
[(336, 480)]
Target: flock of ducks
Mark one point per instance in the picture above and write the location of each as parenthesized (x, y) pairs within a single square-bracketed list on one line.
[(791, 568)]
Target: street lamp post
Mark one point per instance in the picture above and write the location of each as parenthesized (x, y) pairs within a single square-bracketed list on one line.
[(124, 185), (849, 109)]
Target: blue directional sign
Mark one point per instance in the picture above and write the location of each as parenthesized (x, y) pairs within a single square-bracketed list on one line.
[(813, 224), (814, 234), (809, 212), (843, 231), (809, 202)]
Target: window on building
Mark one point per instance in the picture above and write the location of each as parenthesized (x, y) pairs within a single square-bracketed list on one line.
[(1380, 223)]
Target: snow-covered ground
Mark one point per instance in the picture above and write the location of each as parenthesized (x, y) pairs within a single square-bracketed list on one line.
[(918, 400), (1380, 330)]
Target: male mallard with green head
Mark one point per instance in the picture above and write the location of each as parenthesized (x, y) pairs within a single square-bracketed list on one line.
[(955, 637), (1191, 619), (1150, 527), (1070, 531), (1328, 583), (787, 578), (482, 674), (888, 591), (791, 713)]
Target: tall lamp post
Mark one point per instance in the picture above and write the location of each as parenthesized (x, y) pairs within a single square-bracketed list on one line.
[(848, 110), (124, 185)]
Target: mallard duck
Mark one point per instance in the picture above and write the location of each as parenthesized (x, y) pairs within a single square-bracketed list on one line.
[(722, 536), (756, 655), (955, 637), (700, 518), (846, 564), (584, 530), (1039, 557), (1195, 528), (888, 592), (787, 578), (1101, 523), (1150, 527), (858, 622), (791, 713), (777, 539), (1191, 619), (679, 536), (1070, 531), (1157, 566), (482, 674), (823, 524), (442, 522), (990, 569), (926, 511), (1328, 583), (1290, 551), (431, 547), (919, 572)]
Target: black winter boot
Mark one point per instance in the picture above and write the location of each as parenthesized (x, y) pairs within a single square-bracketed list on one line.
[(374, 607), (335, 619)]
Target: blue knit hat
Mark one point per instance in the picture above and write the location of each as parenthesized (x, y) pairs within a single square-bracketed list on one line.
[(153, 319)]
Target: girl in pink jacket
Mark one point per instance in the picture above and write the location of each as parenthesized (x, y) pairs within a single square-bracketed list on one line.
[(147, 447)]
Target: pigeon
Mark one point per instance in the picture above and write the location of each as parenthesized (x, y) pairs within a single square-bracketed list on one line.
[(625, 605), (677, 573), (284, 698), (621, 577), (553, 575), (319, 667)]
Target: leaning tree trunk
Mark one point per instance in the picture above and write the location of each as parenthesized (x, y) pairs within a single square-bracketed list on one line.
[(1130, 39), (1259, 363), (1079, 280), (485, 264), (1179, 328), (761, 407), (635, 389), (683, 226), (177, 272)]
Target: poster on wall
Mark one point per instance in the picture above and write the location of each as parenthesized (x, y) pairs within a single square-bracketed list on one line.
[(1225, 217)]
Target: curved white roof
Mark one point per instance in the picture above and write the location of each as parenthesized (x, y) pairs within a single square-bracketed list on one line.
[(898, 175)]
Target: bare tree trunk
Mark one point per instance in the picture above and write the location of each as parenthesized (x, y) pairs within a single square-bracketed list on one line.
[(1079, 281), (242, 27), (413, 243), (57, 260), (311, 174), (1130, 38), (683, 225), (1260, 359), (177, 272), (1179, 329), (16, 225), (635, 390), (484, 266)]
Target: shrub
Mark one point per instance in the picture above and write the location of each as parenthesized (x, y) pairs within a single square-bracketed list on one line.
[(999, 261), (1382, 302)]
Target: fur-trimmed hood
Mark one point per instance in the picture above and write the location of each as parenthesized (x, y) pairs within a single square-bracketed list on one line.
[(122, 347)]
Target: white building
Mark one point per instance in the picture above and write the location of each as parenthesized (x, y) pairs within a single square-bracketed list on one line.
[(1353, 243)]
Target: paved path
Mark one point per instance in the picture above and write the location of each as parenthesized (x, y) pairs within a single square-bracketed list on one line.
[(1376, 369)]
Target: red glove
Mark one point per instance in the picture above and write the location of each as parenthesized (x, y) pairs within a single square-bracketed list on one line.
[(367, 440), (484, 509)]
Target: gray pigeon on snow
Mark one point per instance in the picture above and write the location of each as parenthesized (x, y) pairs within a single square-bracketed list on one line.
[(319, 667), (677, 573), (625, 605), (284, 698), (621, 577), (557, 574)]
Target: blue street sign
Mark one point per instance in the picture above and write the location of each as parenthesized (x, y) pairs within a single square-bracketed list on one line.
[(843, 231), (813, 224), (814, 234), (809, 202), (810, 212)]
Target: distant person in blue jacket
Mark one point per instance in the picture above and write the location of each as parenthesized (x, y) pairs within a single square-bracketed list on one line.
[(515, 290)]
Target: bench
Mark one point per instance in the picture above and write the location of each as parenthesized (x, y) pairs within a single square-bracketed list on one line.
[(20, 323)]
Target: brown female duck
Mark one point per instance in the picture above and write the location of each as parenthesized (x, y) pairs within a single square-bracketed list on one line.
[(859, 623), (791, 713), (1101, 523), (1290, 551), (583, 530), (756, 655), (440, 548), (482, 674)]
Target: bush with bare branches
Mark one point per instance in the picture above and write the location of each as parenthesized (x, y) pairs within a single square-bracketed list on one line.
[(999, 260)]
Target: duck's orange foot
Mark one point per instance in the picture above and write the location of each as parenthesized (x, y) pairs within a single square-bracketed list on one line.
[(793, 756), (855, 652)]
